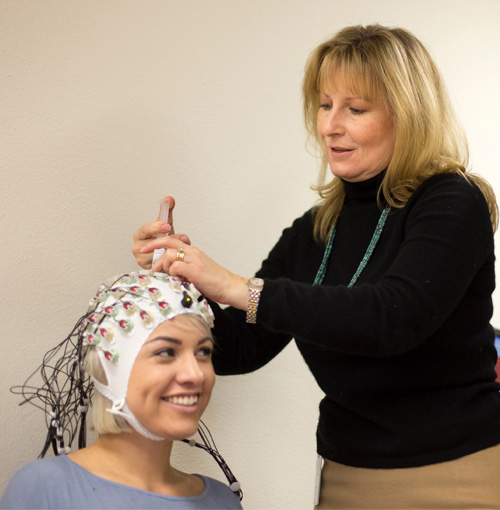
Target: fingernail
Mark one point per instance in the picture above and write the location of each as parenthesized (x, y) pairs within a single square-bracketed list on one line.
[(165, 227)]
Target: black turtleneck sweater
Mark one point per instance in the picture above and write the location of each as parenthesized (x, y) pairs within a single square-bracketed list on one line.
[(405, 357)]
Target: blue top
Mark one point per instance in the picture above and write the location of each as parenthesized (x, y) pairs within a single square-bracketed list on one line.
[(57, 482)]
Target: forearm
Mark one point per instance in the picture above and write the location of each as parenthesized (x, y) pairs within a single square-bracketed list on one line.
[(240, 347)]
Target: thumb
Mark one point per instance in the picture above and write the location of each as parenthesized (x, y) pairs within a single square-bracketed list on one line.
[(165, 214)]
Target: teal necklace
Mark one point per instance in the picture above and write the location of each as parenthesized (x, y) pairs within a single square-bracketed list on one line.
[(320, 276)]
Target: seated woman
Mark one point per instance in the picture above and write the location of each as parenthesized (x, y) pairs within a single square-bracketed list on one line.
[(147, 345)]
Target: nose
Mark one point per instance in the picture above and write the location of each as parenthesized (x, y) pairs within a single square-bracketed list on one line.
[(189, 371), (331, 123)]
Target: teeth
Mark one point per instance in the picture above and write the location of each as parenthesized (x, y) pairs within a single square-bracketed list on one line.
[(183, 401)]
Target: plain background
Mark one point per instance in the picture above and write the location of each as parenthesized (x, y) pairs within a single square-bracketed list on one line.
[(107, 105)]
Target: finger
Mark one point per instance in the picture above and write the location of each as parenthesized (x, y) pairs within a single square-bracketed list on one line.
[(151, 230), (143, 260), (164, 263), (158, 265), (170, 215), (180, 268), (186, 269), (182, 237), (162, 242), (145, 263)]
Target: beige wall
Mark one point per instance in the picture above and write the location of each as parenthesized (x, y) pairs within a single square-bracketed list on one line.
[(105, 106)]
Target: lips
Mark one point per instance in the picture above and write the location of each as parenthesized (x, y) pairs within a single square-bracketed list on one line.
[(340, 150), (183, 400)]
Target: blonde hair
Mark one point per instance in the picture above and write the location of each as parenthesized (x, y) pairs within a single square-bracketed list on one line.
[(392, 65), (101, 420), (104, 422)]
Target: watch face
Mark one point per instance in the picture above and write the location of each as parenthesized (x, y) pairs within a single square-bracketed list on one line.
[(256, 282)]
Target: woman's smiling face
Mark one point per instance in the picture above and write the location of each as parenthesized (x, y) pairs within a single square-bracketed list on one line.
[(172, 378), (357, 135)]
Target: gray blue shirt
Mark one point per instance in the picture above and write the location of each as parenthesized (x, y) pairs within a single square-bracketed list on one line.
[(57, 482)]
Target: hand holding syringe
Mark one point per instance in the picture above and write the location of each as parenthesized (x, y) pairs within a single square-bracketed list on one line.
[(151, 234), (164, 209)]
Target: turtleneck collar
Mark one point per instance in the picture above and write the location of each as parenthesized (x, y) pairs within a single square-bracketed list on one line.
[(363, 190)]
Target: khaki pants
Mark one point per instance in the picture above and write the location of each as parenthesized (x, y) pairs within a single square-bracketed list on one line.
[(471, 482)]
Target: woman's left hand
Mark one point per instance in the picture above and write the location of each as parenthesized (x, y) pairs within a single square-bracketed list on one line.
[(213, 281)]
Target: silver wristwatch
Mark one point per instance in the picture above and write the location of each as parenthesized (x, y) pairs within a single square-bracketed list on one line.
[(255, 286)]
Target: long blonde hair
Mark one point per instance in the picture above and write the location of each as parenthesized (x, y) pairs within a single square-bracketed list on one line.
[(391, 64)]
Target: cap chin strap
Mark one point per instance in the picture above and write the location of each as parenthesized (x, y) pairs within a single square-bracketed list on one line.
[(120, 408)]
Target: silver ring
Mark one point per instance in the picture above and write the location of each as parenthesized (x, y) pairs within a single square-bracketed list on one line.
[(180, 255)]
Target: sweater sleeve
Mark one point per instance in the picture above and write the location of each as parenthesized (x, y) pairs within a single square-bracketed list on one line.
[(241, 347), (446, 238)]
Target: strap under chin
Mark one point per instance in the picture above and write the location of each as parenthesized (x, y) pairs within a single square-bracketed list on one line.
[(127, 415)]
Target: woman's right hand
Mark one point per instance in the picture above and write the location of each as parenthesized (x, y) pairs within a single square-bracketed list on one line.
[(190, 263), (149, 231)]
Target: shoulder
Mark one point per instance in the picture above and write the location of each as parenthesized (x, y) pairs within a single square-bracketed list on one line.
[(451, 183), (301, 224), (31, 484), (452, 192), (452, 209), (43, 468), (300, 231), (301, 228), (295, 240), (219, 494)]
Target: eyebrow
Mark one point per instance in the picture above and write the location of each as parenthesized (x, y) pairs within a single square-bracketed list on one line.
[(348, 98), (176, 341)]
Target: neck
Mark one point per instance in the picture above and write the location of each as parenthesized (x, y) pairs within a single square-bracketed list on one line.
[(363, 190), (129, 459)]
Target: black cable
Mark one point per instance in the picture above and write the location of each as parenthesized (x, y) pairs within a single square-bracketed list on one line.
[(210, 447)]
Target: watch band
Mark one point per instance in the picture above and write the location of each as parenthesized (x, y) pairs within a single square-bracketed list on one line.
[(255, 286)]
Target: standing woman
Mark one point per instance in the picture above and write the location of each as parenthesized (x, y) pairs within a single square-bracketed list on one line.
[(385, 285)]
